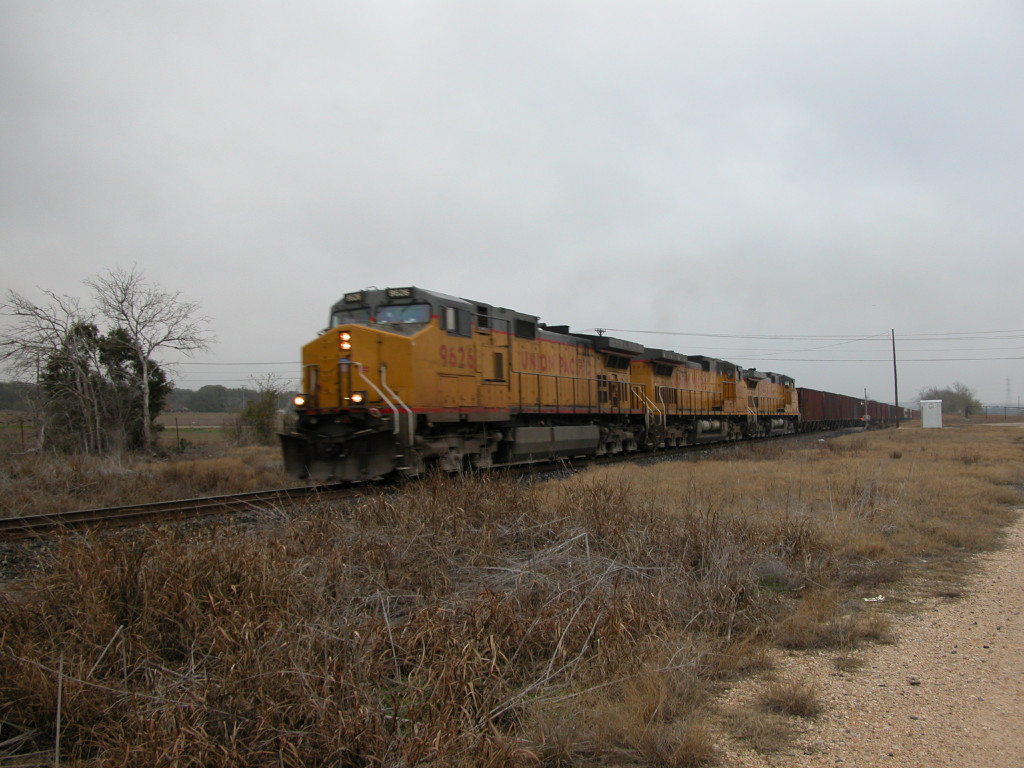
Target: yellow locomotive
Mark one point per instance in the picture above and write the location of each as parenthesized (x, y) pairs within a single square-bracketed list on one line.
[(406, 378)]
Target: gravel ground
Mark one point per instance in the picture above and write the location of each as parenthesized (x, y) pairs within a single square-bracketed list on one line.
[(949, 692)]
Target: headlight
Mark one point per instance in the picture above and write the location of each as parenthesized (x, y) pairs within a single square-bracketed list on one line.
[(345, 340), (358, 397), (299, 401)]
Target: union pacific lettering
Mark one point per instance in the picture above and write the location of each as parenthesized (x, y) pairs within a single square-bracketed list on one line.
[(543, 362), (575, 366)]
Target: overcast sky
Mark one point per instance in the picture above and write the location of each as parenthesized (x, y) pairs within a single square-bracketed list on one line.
[(781, 184)]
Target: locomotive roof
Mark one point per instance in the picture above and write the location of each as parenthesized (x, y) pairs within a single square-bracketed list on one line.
[(613, 345), (713, 364), (413, 294), (663, 356)]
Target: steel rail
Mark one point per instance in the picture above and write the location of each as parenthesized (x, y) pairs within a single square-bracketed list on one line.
[(176, 509)]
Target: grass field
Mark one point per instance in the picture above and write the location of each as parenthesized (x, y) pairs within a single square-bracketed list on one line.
[(17, 432), (477, 622), (197, 429), (198, 454), (202, 430)]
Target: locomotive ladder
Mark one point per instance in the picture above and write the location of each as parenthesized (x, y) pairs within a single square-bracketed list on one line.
[(752, 419), (652, 413)]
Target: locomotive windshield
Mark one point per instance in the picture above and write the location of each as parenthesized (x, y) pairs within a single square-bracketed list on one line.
[(396, 314), (404, 314), (357, 315)]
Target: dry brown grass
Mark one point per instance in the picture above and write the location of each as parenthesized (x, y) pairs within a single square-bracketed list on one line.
[(41, 483), (679, 745), (822, 620), (799, 698), (474, 621), (848, 664), (763, 731)]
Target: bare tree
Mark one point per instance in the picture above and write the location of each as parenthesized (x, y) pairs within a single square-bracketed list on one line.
[(52, 336), (958, 398), (38, 331), (153, 319), (259, 416)]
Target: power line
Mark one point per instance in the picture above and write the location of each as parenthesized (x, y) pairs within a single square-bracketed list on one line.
[(883, 359), (767, 336), (287, 362), (846, 338)]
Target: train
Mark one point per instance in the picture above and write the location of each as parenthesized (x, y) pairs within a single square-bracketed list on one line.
[(403, 380)]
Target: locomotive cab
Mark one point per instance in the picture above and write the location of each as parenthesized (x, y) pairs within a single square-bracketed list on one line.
[(393, 363), (349, 415)]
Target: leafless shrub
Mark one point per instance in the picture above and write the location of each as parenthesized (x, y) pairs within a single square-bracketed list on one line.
[(744, 657), (793, 697), (877, 628), (847, 663), (968, 457), (680, 745), (848, 445), (766, 732), (820, 620)]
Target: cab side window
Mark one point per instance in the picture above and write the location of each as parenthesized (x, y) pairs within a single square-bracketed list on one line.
[(456, 321)]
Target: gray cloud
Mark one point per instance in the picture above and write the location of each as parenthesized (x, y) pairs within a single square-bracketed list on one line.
[(735, 168)]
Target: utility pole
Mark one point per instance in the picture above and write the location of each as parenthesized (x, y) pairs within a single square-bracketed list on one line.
[(895, 381)]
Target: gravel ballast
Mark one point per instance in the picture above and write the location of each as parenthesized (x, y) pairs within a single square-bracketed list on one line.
[(949, 692)]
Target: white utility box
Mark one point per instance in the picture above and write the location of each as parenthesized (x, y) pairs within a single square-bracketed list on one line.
[(931, 414)]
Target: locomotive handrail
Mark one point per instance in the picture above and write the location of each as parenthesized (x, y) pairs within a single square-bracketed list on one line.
[(408, 410), (638, 390), (694, 402), (359, 369), (557, 377), (623, 391)]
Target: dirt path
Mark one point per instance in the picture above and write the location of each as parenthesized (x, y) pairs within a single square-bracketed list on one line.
[(950, 692)]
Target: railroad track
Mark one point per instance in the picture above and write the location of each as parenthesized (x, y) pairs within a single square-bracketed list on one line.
[(38, 526), (161, 511)]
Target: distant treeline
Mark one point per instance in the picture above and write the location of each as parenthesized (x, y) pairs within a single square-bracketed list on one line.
[(14, 395), (213, 398)]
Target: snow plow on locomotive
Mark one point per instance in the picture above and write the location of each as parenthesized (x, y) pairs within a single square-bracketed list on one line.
[(406, 378)]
